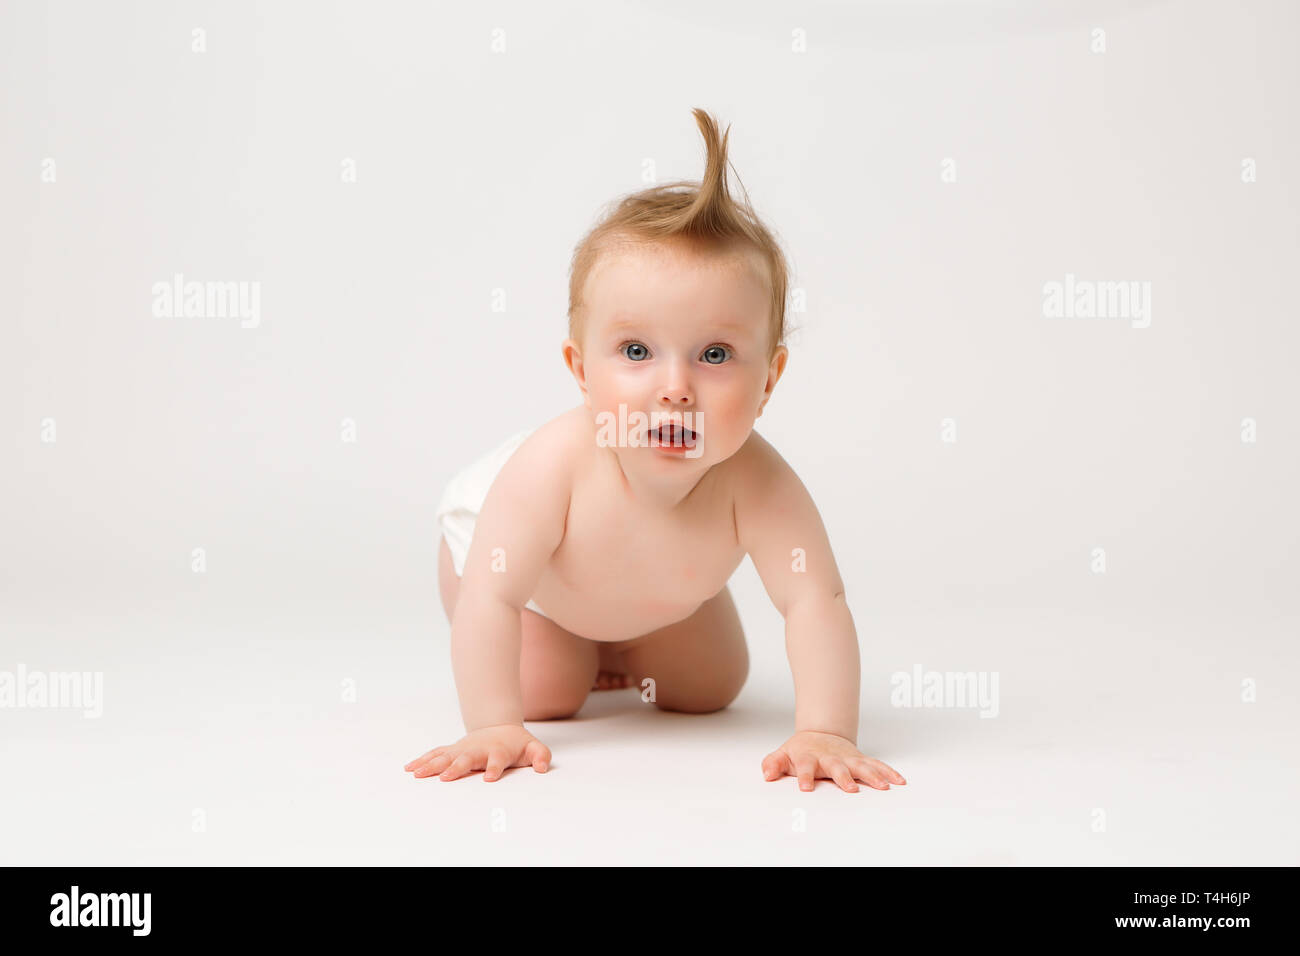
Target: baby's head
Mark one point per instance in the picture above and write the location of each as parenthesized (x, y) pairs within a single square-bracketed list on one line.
[(677, 304)]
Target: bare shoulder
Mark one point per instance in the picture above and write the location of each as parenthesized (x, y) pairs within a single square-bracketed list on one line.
[(550, 454), (758, 471), (537, 482), (767, 492), (563, 435), (777, 520)]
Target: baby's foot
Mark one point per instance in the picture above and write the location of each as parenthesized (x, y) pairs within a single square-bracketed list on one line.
[(610, 680), (612, 674)]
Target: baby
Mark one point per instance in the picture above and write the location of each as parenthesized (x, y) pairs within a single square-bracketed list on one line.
[(625, 516)]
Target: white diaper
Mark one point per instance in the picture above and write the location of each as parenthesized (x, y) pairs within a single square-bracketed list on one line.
[(463, 500)]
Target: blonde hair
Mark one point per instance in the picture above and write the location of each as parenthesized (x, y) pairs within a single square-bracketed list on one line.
[(699, 215)]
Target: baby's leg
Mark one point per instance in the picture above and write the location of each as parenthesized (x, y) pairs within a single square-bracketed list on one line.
[(556, 668), (698, 664)]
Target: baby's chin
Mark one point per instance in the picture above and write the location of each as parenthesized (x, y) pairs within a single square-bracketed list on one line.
[(685, 453)]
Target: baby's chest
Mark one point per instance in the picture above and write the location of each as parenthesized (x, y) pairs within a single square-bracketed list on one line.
[(624, 557)]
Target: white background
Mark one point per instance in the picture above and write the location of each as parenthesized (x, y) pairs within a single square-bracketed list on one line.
[(478, 171)]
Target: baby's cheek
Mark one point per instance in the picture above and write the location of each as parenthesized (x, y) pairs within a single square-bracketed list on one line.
[(614, 388), (736, 408), (727, 422), (604, 394)]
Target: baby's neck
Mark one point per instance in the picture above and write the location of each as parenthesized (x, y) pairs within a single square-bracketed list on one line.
[(662, 496), (664, 492)]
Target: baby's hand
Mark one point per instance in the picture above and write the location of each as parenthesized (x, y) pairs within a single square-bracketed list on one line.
[(489, 748), (810, 754)]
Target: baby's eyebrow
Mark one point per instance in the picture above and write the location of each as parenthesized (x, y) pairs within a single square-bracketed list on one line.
[(624, 322), (629, 321)]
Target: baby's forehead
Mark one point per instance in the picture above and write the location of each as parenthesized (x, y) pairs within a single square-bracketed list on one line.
[(632, 261), (631, 299)]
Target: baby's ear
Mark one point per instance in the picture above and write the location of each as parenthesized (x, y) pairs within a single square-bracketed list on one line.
[(573, 361), (775, 369), (779, 358)]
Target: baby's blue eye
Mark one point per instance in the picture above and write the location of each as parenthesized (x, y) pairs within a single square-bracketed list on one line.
[(637, 357), (716, 354)]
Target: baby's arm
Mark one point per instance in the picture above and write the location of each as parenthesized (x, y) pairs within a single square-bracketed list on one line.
[(518, 528), (780, 528)]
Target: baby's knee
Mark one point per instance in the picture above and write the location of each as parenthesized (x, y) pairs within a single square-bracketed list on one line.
[(553, 699), (551, 709), (701, 699)]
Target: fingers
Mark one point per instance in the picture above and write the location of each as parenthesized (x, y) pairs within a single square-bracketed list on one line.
[(845, 772), (497, 762), (776, 765), (439, 764), (537, 754), (436, 764), (467, 762), (494, 757), (868, 774), (806, 769), (423, 757), (885, 771), (840, 774)]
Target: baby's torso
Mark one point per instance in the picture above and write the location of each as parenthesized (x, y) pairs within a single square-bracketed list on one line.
[(622, 571)]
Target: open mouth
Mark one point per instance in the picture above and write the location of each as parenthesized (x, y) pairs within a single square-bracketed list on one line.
[(671, 433)]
